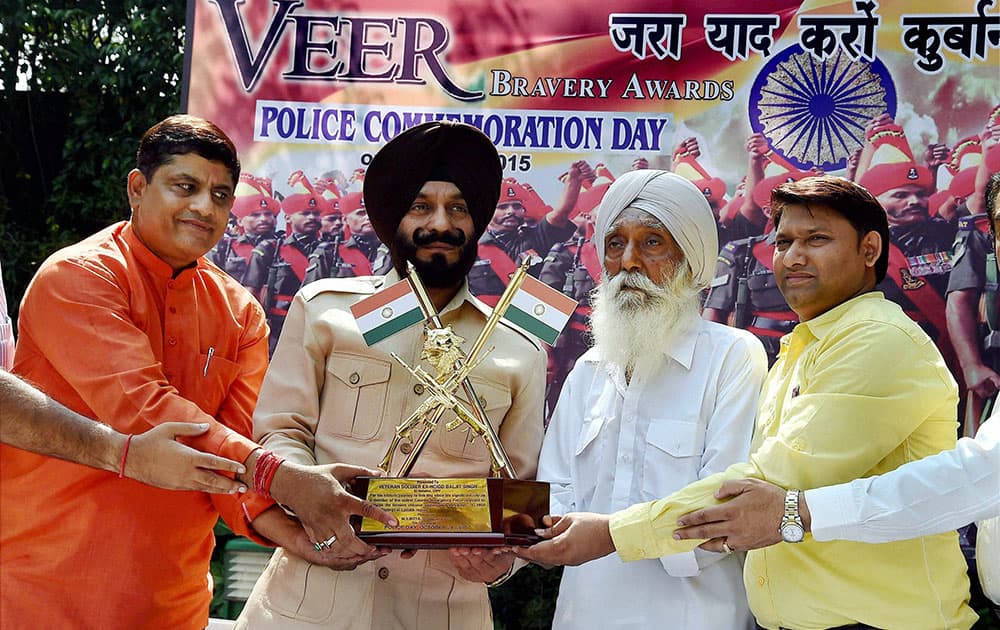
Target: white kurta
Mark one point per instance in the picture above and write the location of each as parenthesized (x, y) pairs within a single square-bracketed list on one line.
[(684, 416)]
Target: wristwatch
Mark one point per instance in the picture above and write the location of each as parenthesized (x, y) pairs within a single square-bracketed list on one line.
[(791, 527)]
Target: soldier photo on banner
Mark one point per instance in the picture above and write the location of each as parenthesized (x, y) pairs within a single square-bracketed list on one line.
[(351, 251), (737, 101), (255, 213), (523, 227), (972, 301), (327, 235)]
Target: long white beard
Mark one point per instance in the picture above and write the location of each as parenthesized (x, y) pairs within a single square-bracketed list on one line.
[(629, 325)]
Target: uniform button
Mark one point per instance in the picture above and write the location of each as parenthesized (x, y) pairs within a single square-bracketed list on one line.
[(354, 378), (482, 402), (172, 341), (406, 447), (761, 581), (799, 445), (418, 389), (170, 284), (173, 310), (383, 573)]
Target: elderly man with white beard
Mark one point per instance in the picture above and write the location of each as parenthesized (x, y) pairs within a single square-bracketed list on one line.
[(662, 399)]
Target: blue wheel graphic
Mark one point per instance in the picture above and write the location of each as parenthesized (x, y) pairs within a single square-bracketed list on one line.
[(812, 112)]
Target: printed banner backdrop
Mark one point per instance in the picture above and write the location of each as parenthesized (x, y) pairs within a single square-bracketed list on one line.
[(315, 87), (319, 85)]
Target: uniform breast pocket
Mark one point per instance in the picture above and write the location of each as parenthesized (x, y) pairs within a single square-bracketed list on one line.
[(495, 399), (673, 456), (354, 396)]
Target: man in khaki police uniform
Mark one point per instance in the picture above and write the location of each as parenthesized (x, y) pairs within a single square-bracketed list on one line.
[(329, 397)]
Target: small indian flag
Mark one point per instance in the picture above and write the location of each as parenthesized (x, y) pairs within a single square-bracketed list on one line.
[(540, 310), (387, 312)]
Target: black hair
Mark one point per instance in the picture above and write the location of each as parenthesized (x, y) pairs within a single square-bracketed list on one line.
[(182, 134), (844, 197)]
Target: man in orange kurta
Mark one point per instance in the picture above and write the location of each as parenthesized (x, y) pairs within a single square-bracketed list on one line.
[(133, 327)]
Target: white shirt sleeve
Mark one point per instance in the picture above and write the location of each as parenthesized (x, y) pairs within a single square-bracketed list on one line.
[(920, 498)]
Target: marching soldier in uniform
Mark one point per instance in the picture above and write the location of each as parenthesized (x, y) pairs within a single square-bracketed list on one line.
[(331, 217), (972, 307), (746, 290), (973, 304), (285, 261), (974, 163), (507, 239), (362, 254), (363, 235), (255, 211), (919, 245), (766, 170), (572, 268)]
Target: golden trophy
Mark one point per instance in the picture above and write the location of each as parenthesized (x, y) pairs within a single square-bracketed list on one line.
[(440, 513)]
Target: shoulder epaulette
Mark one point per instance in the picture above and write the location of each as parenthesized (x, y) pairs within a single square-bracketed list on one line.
[(733, 250), (365, 285), (979, 222), (265, 247), (555, 250)]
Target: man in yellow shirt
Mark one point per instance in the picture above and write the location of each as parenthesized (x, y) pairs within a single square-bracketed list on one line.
[(858, 390)]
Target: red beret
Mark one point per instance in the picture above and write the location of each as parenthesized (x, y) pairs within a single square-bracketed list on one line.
[(885, 177), (350, 203), (762, 191), (964, 184), (246, 205), (713, 188), (534, 207)]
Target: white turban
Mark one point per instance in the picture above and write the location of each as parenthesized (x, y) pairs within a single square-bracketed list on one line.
[(677, 204)]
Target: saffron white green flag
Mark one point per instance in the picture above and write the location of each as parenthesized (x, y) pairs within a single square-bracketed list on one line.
[(387, 312), (540, 310)]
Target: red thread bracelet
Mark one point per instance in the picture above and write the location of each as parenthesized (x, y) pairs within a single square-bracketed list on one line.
[(264, 469), (128, 442)]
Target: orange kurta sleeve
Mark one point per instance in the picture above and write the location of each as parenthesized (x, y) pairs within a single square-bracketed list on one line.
[(139, 354), (108, 330), (80, 320)]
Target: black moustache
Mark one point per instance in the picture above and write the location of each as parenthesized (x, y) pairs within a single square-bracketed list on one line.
[(423, 238)]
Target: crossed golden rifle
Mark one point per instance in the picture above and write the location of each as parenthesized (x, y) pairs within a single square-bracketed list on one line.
[(442, 388)]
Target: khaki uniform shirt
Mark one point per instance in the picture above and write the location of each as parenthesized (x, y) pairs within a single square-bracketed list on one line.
[(328, 397)]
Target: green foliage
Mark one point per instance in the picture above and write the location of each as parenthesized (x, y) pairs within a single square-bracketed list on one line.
[(94, 75)]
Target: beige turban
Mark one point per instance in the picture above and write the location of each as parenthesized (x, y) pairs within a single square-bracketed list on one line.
[(677, 204)]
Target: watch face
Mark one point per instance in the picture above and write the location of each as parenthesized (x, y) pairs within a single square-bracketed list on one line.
[(792, 532)]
